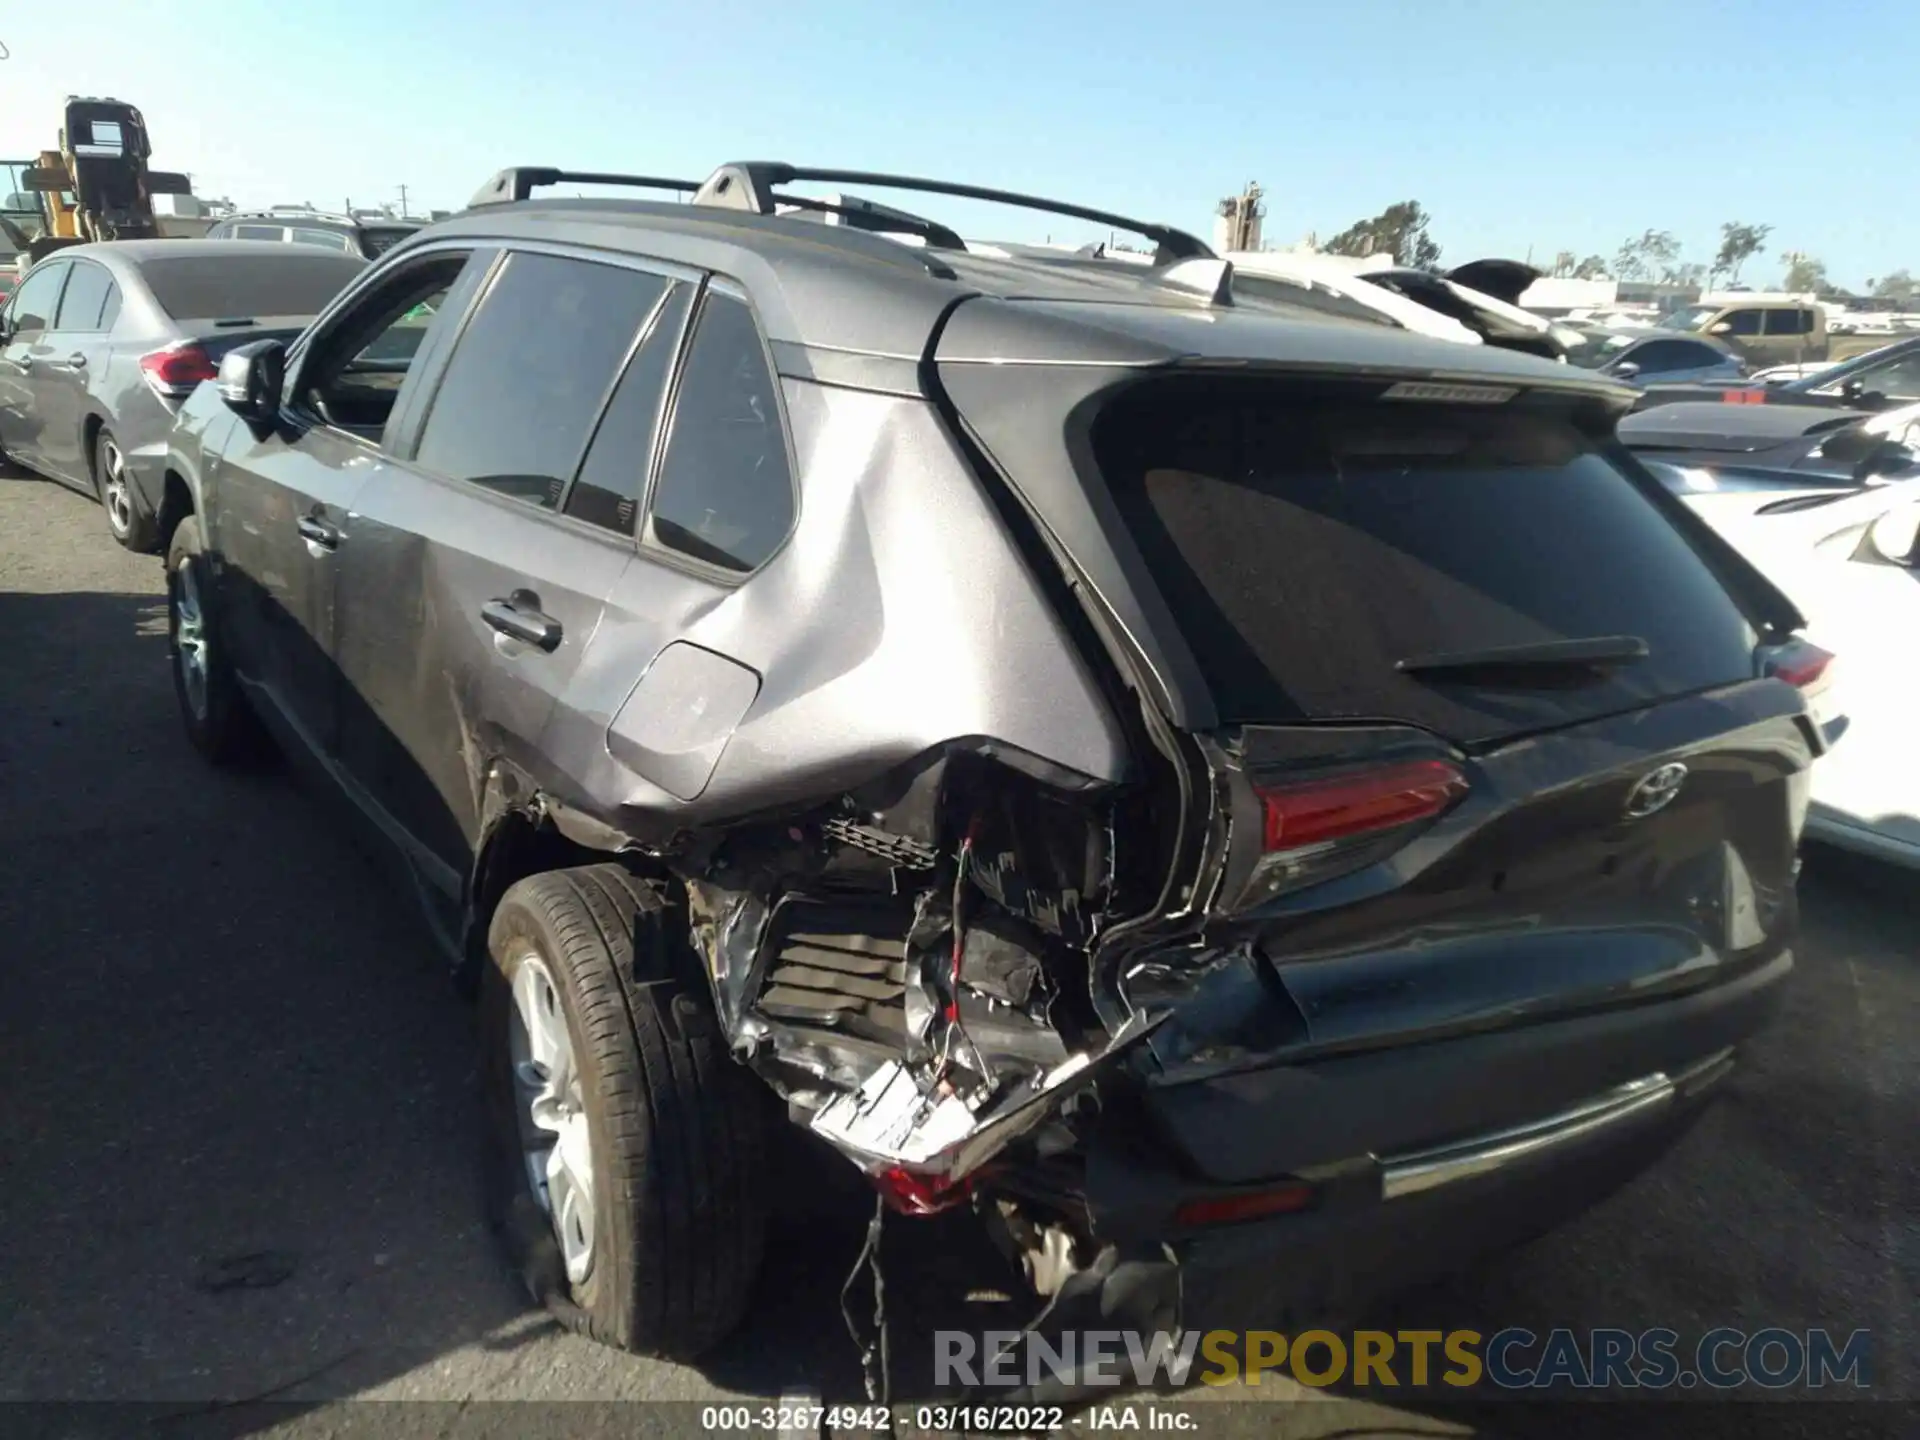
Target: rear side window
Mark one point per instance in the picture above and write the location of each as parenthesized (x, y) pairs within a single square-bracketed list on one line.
[(258, 232), (88, 287), (531, 371), (725, 492), (613, 479), (292, 281), (1307, 548), (1789, 322)]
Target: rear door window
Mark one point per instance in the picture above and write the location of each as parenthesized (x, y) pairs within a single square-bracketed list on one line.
[(725, 493), (1307, 549), (1789, 322), (531, 371), (1743, 322)]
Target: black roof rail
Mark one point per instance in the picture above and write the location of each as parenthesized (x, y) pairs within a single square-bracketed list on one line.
[(517, 182), (749, 185)]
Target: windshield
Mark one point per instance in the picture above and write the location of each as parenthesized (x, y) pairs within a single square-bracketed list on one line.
[(1692, 319), (1596, 348)]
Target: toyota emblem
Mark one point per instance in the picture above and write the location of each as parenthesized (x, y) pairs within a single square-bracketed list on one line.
[(1655, 791)]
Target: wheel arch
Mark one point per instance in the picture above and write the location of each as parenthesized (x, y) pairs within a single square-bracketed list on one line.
[(526, 832)]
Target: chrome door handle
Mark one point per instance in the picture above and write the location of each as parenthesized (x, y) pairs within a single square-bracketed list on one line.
[(76, 362)]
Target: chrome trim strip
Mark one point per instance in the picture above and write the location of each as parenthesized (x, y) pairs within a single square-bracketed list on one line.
[(1641, 1099)]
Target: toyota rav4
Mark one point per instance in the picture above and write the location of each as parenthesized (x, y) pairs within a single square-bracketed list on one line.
[(1257, 805)]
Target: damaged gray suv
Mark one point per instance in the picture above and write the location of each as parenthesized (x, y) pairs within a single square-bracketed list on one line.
[(1258, 805)]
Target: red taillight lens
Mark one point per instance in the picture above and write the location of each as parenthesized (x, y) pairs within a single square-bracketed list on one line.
[(176, 370), (1289, 1199), (1802, 665), (1315, 812), (913, 1194)]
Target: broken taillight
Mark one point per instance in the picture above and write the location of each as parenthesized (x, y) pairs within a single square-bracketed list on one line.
[(1313, 828), (175, 372), (915, 1194)]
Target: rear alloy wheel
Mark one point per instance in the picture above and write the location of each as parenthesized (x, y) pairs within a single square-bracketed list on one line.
[(629, 1145), (127, 521)]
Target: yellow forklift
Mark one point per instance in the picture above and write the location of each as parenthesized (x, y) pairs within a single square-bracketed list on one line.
[(97, 186)]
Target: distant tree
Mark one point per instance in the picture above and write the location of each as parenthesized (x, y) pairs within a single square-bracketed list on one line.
[(1591, 268), (1693, 274), (1898, 286), (1650, 255), (1399, 230), (1739, 243), (1564, 264), (1803, 272)]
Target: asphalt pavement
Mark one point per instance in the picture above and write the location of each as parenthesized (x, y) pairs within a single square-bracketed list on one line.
[(238, 1117)]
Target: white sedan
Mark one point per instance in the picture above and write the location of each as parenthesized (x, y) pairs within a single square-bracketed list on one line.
[(1850, 560)]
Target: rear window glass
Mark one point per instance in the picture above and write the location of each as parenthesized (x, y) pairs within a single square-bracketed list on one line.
[(1308, 548), (284, 280)]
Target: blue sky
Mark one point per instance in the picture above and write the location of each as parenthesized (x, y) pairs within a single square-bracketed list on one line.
[(1552, 125)]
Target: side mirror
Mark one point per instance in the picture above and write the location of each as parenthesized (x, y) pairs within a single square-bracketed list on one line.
[(1895, 536), (1625, 370), (250, 380), (1854, 389), (1723, 327)]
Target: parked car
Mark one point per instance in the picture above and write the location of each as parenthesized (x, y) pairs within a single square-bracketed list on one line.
[(102, 342), (1823, 443), (1849, 560), (1644, 357), (1762, 332), (1184, 776), (1878, 380), (321, 228)]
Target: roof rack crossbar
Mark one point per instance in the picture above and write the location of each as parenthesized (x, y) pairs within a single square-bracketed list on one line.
[(749, 185), (519, 181)]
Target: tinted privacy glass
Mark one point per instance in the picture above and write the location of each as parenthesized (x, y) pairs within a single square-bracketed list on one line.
[(527, 379), (258, 232), (272, 281), (1789, 322), (1744, 322), (613, 479), (725, 493), (87, 289), (1307, 549), (32, 308)]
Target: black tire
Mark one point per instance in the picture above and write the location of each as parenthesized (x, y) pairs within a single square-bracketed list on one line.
[(119, 497), (216, 715), (677, 1127)]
